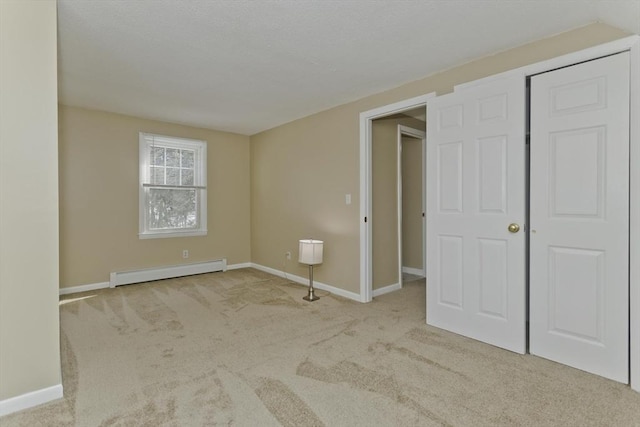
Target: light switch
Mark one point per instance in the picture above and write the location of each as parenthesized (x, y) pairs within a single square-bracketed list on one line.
[(347, 199)]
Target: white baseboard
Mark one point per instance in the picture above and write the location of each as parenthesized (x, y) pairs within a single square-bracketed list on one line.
[(189, 269), (31, 399), (414, 271), (159, 273), (103, 285), (238, 266), (386, 289), (305, 281), (83, 288)]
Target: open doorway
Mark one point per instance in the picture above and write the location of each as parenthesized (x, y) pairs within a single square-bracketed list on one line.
[(411, 203), (418, 104), (396, 216)]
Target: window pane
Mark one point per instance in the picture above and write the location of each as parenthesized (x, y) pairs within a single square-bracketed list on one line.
[(167, 166), (173, 176), (172, 208), (157, 156), (187, 158), (173, 157), (157, 175), (187, 177)]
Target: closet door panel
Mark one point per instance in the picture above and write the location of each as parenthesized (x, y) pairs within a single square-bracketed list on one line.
[(579, 259), (475, 189)]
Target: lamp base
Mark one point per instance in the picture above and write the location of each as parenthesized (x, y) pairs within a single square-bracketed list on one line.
[(311, 296)]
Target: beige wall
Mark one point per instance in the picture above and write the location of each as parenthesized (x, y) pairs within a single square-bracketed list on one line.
[(29, 326), (384, 218), (299, 178), (412, 193), (99, 198), (301, 170)]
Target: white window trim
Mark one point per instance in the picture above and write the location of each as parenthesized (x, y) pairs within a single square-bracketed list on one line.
[(200, 182)]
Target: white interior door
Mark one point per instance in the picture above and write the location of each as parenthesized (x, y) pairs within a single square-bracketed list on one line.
[(475, 190), (579, 244)]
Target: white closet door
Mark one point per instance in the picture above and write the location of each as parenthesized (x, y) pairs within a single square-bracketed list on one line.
[(579, 272), (475, 190)]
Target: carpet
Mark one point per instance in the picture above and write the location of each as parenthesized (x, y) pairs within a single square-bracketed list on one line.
[(242, 348)]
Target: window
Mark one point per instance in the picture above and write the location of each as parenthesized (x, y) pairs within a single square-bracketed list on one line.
[(173, 192)]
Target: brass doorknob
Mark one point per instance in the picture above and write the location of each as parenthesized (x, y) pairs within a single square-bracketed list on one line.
[(514, 228)]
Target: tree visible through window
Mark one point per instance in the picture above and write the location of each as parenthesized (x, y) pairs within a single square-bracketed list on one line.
[(172, 186)]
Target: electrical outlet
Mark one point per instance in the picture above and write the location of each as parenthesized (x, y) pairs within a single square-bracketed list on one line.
[(185, 254), (288, 255)]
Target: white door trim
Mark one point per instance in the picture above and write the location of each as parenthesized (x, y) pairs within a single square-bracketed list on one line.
[(415, 133), (634, 215), (616, 46), (631, 43), (366, 274)]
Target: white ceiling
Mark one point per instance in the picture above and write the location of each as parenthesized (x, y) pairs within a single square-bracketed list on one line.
[(245, 65)]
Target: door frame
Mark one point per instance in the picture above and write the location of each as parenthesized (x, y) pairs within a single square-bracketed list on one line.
[(422, 136), (629, 43), (366, 196)]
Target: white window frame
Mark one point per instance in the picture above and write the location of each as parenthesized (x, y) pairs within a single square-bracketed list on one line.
[(146, 141)]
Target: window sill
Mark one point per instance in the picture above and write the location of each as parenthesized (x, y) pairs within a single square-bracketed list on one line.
[(168, 234)]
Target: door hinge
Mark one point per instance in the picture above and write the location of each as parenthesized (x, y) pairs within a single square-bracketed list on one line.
[(365, 219)]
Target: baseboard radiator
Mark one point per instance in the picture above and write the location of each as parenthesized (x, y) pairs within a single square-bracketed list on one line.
[(159, 273)]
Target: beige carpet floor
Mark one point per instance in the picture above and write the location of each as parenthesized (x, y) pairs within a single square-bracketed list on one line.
[(242, 348)]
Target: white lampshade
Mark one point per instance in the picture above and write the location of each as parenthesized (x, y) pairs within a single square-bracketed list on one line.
[(310, 251)]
